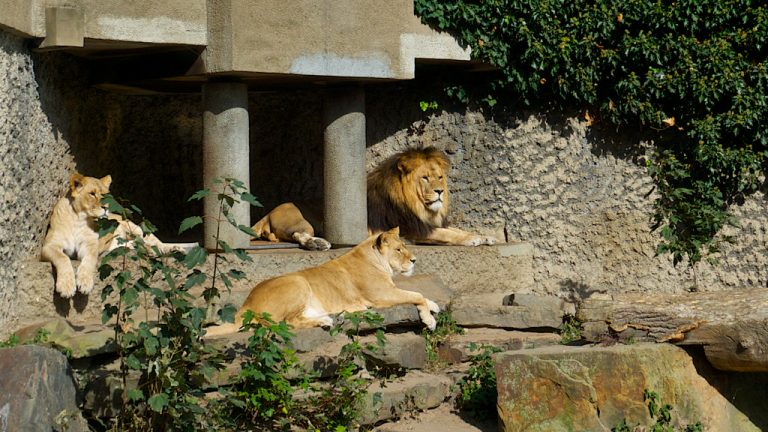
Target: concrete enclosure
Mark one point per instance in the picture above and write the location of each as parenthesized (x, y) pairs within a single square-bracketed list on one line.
[(306, 100)]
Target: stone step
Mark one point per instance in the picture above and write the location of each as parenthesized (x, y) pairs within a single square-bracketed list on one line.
[(732, 327), (444, 418), (500, 268)]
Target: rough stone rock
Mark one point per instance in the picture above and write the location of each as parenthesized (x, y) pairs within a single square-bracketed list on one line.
[(415, 391), (512, 311), (37, 392), (457, 347), (732, 328), (429, 285), (85, 341), (405, 350), (593, 388)]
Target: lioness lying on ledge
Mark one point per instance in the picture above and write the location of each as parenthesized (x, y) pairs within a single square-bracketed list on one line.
[(72, 233), (355, 281), (409, 190)]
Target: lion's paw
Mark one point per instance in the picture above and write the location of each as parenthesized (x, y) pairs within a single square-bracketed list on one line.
[(65, 285), (326, 321), (433, 307), (84, 281), (489, 240), (430, 322), (317, 244), (477, 240)]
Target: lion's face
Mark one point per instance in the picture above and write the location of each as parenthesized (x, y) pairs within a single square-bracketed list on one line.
[(400, 259), (86, 193), (431, 185)]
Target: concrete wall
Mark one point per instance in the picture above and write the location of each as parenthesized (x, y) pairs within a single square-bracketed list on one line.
[(170, 21), (370, 38)]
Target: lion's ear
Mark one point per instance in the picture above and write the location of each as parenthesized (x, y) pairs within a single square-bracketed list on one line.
[(75, 180), (395, 231), (106, 180), (381, 241), (406, 165)]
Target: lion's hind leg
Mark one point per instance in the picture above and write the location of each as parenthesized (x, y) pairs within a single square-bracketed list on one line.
[(309, 242)]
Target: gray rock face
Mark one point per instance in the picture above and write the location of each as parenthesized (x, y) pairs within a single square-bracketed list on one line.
[(37, 392), (512, 311)]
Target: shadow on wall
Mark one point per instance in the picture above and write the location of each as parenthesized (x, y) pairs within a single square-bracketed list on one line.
[(745, 390)]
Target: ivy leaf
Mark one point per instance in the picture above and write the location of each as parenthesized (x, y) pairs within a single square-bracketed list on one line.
[(189, 223), (247, 197), (135, 395), (197, 196), (158, 402), (195, 257)]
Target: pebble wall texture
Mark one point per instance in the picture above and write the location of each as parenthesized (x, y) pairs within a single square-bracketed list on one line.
[(34, 165), (576, 194)]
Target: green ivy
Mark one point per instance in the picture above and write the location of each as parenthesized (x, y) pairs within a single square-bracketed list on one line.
[(691, 73)]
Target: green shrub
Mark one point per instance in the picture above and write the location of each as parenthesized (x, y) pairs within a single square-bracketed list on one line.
[(163, 348), (478, 393), (691, 73), (445, 327)]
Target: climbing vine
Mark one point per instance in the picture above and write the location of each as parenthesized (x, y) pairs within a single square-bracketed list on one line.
[(692, 73)]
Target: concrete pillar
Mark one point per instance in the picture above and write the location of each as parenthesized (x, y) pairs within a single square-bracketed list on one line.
[(345, 214), (225, 154)]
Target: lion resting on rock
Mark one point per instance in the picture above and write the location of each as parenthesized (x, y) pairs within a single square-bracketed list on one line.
[(358, 280), (72, 232), (409, 190)]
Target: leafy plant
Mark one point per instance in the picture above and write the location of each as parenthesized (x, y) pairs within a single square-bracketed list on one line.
[(478, 389), (570, 330), (263, 391), (691, 73), (446, 326), (660, 413), (270, 400), (12, 341), (163, 348)]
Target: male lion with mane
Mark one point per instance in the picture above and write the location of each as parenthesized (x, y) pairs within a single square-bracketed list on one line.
[(409, 190), (358, 280), (72, 233)]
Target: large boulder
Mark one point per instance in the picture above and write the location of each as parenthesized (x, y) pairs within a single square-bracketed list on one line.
[(594, 388), (37, 391)]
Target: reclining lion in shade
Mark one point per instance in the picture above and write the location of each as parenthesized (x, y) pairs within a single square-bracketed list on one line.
[(72, 233), (409, 190), (358, 280)]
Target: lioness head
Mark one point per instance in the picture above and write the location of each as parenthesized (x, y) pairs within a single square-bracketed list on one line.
[(86, 192), (400, 259), (424, 172)]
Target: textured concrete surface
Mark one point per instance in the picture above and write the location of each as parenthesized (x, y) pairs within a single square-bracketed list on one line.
[(34, 164)]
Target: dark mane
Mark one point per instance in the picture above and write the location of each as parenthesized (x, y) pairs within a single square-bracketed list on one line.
[(384, 213)]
